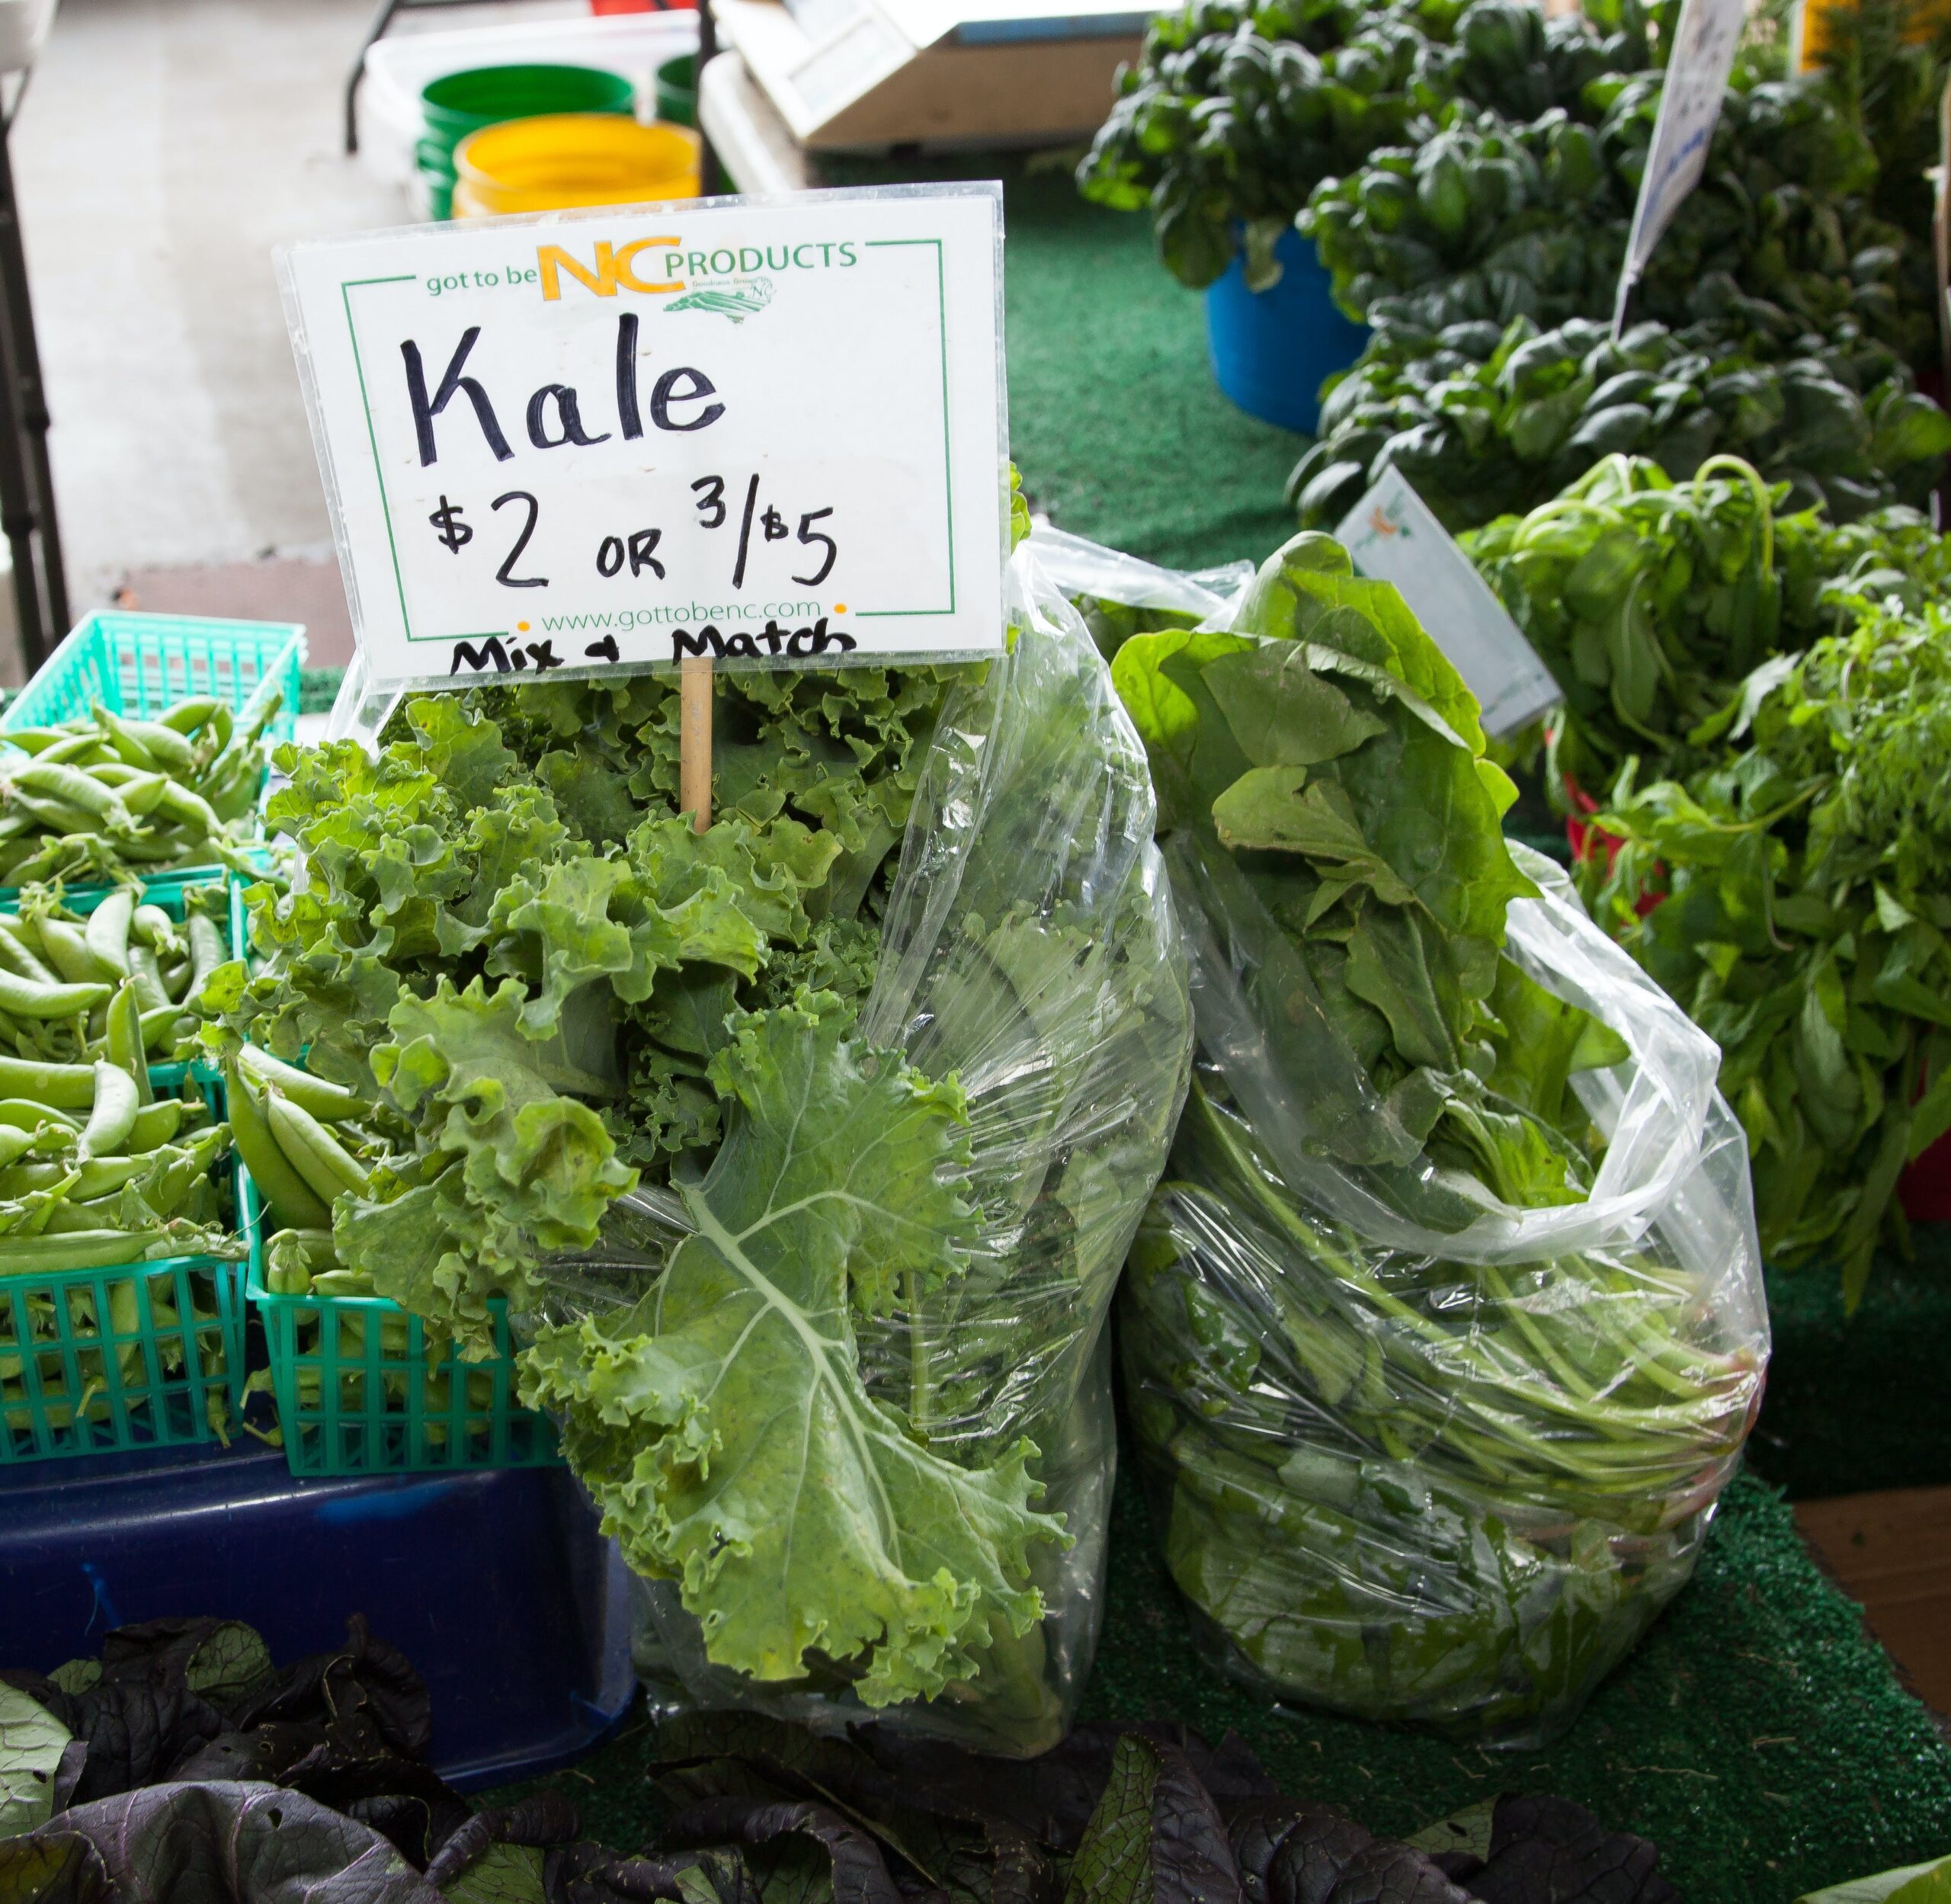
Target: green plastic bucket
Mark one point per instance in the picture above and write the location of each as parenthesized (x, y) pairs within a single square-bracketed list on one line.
[(677, 90), (462, 103)]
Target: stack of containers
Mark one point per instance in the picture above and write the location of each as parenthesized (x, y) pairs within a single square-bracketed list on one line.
[(107, 1356), (462, 103), (113, 1358)]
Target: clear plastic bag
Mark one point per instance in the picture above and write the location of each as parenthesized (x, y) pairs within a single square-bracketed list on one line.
[(1416, 1453), (1087, 572), (1031, 952)]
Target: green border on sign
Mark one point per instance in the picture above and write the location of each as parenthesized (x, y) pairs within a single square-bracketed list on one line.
[(348, 286)]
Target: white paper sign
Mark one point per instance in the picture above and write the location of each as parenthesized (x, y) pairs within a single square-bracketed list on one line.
[(766, 431), (1394, 537), (1703, 55)]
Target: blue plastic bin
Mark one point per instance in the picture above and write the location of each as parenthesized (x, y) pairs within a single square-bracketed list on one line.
[(1271, 350), (496, 1584)]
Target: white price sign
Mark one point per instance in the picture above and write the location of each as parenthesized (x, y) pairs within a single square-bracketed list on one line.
[(1394, 536), (1703, 55), (760, 431)]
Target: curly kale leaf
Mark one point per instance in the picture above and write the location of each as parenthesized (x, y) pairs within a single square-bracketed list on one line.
[(507, 1167), (722, 1424)]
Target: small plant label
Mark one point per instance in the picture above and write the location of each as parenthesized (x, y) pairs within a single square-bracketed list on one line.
[(1394, 536), (1703, 55)]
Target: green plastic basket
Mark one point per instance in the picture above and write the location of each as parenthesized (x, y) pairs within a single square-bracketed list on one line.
[(170, 891), (144, 1355), (140, 665), (357, 1392), (147, 1355)]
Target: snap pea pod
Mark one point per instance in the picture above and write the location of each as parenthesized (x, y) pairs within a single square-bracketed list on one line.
[(292, 1201), (20, 1113), (22, 998), (123, 1037), (155, 928), (86, 1249), (107, 933), (81, 748), (156, 1124), (149, 743), (15, 1142), (69, 951), (146, 975), (188, 715), (329, 1169), (18, 956), (324, 1100), (116, 1101)]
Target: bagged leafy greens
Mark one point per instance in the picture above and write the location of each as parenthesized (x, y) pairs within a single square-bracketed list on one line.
[(805, 1151), (1445, 1327)]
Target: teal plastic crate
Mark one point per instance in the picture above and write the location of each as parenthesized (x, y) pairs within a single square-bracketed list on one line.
[(358, 1392), (99, 1361), (141, 1355), (170, 891), (138, 665)]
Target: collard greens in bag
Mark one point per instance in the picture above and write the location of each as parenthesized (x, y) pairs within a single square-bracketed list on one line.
[(1445, 1327)]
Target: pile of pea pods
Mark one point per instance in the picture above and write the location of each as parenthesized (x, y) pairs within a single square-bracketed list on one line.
[(95, 1169), (112, 798)]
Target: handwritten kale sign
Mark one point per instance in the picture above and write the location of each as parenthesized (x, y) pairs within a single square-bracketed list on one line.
[(767, 431)]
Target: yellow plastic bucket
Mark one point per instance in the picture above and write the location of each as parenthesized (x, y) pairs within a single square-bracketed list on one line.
[(564, 159)]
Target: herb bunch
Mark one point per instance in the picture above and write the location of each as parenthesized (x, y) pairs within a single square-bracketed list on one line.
[(1802, 923)]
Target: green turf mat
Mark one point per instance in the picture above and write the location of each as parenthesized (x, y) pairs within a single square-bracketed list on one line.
[(1115, 421), (1860, 1402), (1758, 1736)]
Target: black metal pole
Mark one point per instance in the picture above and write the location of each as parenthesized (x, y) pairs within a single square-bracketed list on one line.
[(711, 175), (30, 395), (382, 19), (23, 511)]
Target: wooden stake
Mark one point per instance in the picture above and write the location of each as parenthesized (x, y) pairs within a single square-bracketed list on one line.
[(694, 738)]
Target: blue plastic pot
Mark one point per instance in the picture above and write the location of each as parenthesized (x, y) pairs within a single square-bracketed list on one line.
[(1271, 349)]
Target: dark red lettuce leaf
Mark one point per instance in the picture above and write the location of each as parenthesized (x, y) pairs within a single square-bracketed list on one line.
[(210, 1844)]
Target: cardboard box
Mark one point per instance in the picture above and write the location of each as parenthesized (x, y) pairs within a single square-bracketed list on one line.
[(864, 75)]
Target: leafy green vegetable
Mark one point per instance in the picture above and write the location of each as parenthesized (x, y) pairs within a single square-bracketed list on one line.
[(1235, 113), (1485, 418), (1776, 231), (1803, 926), (800, 1120), (1651, 601), (1927, 1884), (32, 1742), (312, 1782), (722, 1419), (1340, 1420)]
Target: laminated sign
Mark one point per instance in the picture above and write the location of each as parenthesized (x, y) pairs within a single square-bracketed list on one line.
[(1696, 81), (766, 432)]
